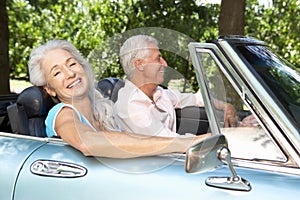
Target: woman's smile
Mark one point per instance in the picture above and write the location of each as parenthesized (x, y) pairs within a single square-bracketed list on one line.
[(74, 83)]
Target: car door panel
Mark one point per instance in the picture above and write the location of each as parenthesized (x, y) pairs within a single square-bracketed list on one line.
[(13, 153), (139, 178)]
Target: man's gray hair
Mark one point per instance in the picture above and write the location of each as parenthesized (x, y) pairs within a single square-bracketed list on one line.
[(135, 47)]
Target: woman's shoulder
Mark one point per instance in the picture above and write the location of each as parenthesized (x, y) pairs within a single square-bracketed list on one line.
[(52, 116), (58, 107)]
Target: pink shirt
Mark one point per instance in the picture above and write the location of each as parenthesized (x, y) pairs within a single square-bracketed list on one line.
[(139, 114)]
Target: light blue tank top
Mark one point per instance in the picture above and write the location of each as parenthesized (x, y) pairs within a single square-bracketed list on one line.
[(50, 120)]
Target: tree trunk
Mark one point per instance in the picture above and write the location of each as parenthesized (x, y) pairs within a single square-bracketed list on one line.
[(4, 59), (232, 17)]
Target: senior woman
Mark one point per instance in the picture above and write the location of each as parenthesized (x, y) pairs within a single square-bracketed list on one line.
[(83, 118)]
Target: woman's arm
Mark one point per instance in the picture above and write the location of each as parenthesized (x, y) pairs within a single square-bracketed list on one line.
[(128, 145), (116, 144)]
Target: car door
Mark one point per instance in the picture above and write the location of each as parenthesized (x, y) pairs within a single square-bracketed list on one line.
[(263, 145), (155, 177), (14, 151)]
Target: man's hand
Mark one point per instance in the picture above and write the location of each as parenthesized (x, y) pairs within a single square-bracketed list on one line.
[(230, 116), (249, 121)]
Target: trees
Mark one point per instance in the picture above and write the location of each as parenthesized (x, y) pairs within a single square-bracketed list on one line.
[(89, 24), (35, 22), (232, 17), (278, 26)]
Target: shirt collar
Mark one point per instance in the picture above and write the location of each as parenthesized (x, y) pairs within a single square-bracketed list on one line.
[(156, 96)]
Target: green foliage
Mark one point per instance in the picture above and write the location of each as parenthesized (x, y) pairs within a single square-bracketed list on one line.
[(32, 25), (98, 27), (195, 20), (278, 26)]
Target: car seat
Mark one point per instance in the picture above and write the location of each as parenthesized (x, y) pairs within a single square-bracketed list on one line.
[(109, 87), (191, 119), (6, 100), (27, 116)]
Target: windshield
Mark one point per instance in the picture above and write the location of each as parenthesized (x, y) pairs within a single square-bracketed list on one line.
[(277, 76)]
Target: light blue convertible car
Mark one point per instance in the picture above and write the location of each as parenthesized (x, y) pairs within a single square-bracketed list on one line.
[(257, 161)]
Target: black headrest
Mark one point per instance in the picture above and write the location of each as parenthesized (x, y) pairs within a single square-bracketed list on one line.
[(35, 101), (109, 87)]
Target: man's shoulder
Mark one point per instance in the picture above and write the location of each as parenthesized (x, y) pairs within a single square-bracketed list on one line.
[(128, 86), (128, 89), (130, 95)]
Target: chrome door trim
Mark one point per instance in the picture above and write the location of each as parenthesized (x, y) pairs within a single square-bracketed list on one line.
[(57, 169)]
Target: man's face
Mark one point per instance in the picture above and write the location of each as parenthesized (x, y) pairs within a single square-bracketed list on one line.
[(153, 66)]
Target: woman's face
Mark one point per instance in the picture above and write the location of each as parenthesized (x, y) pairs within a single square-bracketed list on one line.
[(66, 78)]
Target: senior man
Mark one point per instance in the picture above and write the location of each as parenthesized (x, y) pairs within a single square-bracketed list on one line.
[(145, 107)]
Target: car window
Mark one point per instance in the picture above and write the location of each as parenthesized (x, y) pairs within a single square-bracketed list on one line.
[(249, 140), (278, 76)]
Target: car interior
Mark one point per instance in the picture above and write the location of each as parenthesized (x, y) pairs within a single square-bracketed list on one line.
[(27, 114), (5, 101)]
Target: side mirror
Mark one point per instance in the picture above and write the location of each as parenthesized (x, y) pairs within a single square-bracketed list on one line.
[(210, 154), (203, 156)]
